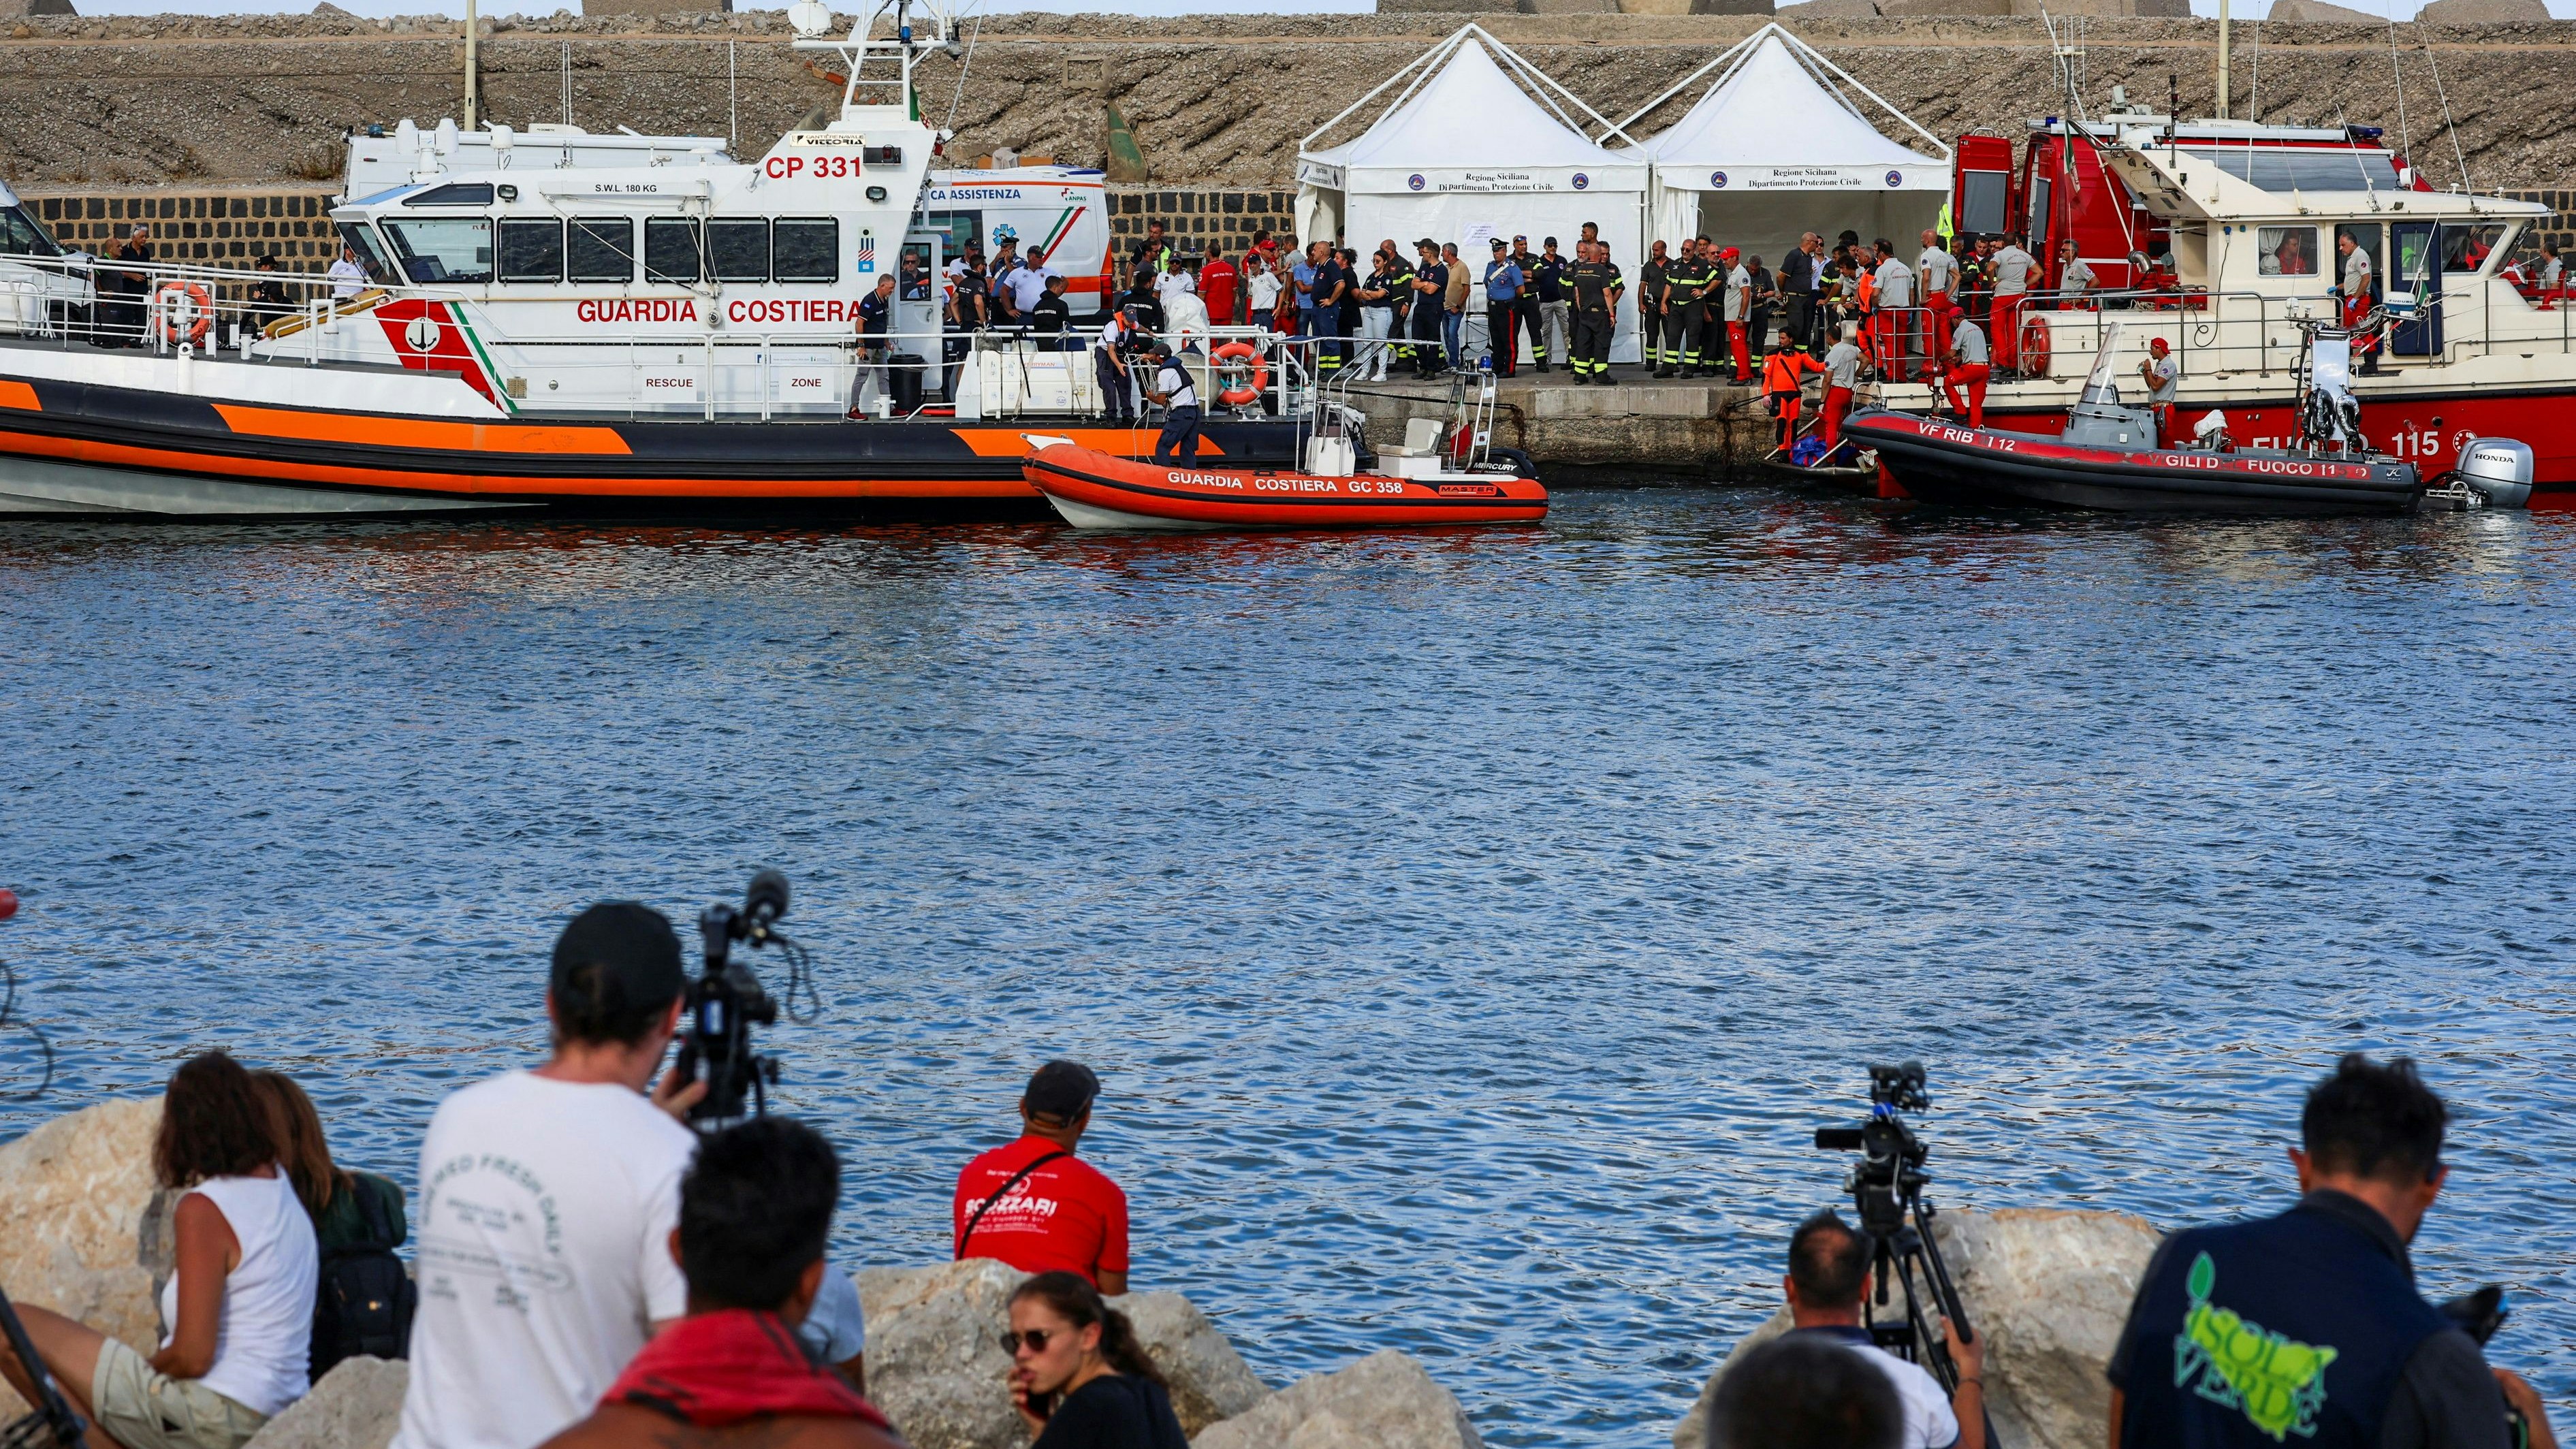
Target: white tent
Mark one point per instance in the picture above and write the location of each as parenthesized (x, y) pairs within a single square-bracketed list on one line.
[(1775, 149), (1477, 143)]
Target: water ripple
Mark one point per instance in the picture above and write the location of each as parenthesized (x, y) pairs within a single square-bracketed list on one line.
[(1470, 927)]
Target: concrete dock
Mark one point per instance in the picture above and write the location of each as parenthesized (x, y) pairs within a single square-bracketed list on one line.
[(1684, 428)]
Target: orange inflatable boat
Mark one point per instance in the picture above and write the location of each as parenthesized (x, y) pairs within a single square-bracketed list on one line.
[(1093, 489)]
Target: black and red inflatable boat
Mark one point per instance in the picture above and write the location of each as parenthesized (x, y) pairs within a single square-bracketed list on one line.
[(1944, 462)]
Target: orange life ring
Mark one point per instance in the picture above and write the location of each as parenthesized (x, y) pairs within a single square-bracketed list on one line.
[(1235, 397), (2034, 347), (203, 317)]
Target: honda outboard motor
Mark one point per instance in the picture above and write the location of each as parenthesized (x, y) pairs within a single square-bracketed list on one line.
[(2500, 469)]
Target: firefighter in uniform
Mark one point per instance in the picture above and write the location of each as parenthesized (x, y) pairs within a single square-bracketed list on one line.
[(1650, 305), (1688, 277), (1594, 280)]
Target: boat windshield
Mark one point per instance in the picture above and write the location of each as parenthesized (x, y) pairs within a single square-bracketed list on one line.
[(2102, 383), (22, 235)]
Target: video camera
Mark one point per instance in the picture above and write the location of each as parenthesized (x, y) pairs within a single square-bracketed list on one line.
[(1889, 1175), (1887, 1190), (727, 1001)]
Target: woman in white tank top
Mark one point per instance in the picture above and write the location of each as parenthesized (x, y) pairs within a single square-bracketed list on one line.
[(238, 1310)]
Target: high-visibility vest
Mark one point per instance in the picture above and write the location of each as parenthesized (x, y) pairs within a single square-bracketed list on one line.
[(1942, 227), (1868, 288)]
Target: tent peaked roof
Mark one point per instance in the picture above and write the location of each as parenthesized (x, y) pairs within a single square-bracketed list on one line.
[(1777, 103), (1472, 114), (1459, 106)]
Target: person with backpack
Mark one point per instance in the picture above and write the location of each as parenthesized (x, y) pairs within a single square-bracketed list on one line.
[(239, 1302), (364, 1301), (1034, 1205)]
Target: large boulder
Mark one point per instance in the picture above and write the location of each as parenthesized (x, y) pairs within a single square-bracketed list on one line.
[(2320, 12), (1385, 1401), (936, 1366), (2048, 1290), (357, 1405), (84, 1230), (2483, 12)]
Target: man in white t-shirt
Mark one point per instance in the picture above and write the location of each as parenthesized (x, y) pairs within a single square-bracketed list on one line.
[(1828, 1272), (1029, 283), (1894, 299), (548, 1199), (2012, 268)]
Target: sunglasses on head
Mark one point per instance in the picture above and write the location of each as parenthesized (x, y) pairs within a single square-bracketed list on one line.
[(1035, 1338)]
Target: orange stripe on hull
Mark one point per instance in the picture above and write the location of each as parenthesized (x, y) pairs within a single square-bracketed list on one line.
[(372, 480), (19, 395), (385, 432), (1116, 442), (1279, 500)]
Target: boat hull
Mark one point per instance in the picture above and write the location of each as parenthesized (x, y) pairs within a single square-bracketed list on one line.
[(81, 447), (1092, 489), (2429, 426), (1940, 462)]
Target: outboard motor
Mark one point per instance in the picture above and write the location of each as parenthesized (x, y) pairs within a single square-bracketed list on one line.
[(2500, 470)]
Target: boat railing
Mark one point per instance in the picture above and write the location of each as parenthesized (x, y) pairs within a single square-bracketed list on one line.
[(2224, 333)]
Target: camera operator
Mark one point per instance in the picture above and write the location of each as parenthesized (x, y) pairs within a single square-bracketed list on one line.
[(1828, 1274), (548, 1199), (2308, 1323), (1800, 1393), (754, 1213)]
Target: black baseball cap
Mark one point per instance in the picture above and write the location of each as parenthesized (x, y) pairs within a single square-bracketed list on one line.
[(1061, 1091), (615, 962)]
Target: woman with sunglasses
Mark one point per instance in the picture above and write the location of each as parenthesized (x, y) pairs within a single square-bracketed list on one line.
[(1079, 1376)]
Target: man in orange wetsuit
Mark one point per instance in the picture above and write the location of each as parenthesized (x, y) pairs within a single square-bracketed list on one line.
[(1783, 376), (1866, 263), (1968, 367)]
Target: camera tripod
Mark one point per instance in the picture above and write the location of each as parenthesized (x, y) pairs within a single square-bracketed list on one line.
[(52, 1424), (1887, 1190)]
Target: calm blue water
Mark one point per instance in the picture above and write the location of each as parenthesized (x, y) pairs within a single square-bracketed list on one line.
[(1470, 928)]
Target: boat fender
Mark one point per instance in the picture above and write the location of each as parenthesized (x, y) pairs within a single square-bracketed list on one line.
[(1250, 391), (201, 312), (2034, 347)]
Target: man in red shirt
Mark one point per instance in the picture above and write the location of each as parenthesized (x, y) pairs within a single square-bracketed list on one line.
[(1216, 285), (1036, 1206)]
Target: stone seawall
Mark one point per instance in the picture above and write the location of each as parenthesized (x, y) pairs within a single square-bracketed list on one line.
[(88, 1236), (1215, 101)]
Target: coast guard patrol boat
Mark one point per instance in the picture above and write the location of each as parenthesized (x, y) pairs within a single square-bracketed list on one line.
[(662, 330)]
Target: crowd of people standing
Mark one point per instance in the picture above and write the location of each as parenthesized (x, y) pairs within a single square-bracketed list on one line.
[(1948, 310)]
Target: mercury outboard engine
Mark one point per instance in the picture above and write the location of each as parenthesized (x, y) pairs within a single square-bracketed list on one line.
[(2500, 469)]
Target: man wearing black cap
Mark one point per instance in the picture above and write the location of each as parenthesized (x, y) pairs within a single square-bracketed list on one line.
[(547, 1203), (1036, 1206)]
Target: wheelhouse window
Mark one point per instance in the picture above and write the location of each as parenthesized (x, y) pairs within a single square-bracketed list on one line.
[(2286, 251), (600, 249), (670, 250), (359, 237), (2287, 169), (532, 251), (805, 251), (447, 251), (455, 193), (2466, 248), (738, 251)]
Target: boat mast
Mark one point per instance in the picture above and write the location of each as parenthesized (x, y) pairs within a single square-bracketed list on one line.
[(471, 25), (2222, 60)]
